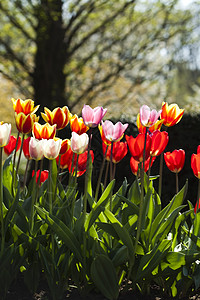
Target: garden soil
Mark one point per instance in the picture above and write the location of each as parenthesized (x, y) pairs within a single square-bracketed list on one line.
[(19, 291)]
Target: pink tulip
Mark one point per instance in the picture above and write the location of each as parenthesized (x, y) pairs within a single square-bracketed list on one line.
[(36, 149), (79, 143), (113, 132), (5, 131), (148, 117), (92, 117), (51, 148)]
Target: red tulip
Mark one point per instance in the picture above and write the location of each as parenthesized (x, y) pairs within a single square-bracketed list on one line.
[(175, 160), (26, 148), (10, 147), (159, 140), (136, 146), (44, 175), (119, 151), (197, 203), (195, 164), (134, 164)]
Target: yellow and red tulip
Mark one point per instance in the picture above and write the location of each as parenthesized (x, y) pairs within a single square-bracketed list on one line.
[(24, 106), (24, 123), (77, 125), (171, 114), (45, 131), (59, 116)]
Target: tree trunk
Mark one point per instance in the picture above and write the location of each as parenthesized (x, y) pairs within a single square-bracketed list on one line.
[(50, 58)]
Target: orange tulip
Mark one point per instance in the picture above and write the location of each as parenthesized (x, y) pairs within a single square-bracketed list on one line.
[(175, 160), (171, 114), (142, 129), (24, 123), (59, 116), (77, 125), (119, 151), (159, 141), (24, 106), (45, 131), (136, 146), (65, 145)]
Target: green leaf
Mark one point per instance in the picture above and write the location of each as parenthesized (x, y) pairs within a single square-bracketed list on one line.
[(62, 231), (105, 277), (134, 192)]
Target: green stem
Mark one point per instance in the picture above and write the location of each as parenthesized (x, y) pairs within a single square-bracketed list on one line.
[(139, 222), (160, 173), (20, 154), (50, 187), (25, 175), (111, 163), (14, 160), (33, 199), (100, 175), (106, 174), (75, 180), (1, 202), (198, 195), (177, 183)]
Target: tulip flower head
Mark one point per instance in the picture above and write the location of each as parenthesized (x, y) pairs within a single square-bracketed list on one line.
[(51, 148), (43, 177), (24, 123), (148, 117), (119, 151), (79, 143), (195, 163), (26, 147), (142, 129), (136, 146), (5, 131), (36, 149), (10, 147), (65, 145), (171, 114), (77, 125), (113, 133), (92, 117), (59, 116), (175, 160), (45, 131), (24, 106), (134, 164), (159, 140)]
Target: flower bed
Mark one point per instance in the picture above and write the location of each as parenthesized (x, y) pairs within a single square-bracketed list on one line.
[(102, 239)]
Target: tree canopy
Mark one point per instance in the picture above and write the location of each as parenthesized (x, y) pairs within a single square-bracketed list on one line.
[(71, 52)]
